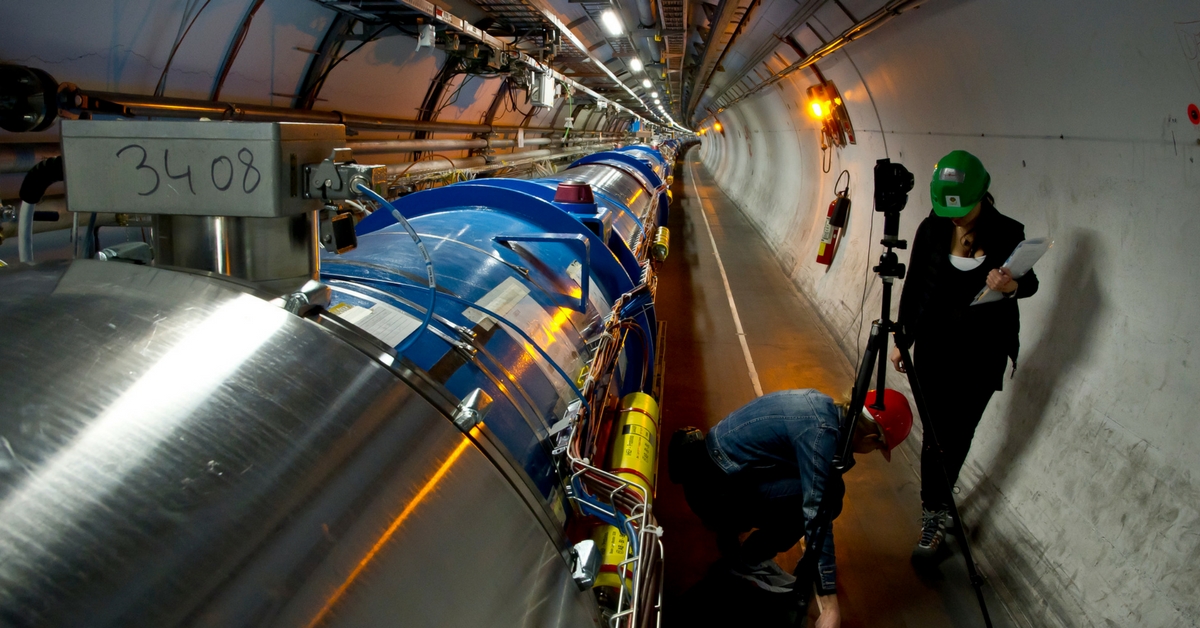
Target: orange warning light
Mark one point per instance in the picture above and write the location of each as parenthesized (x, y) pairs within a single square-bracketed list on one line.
[(816, 109), (717, 126)]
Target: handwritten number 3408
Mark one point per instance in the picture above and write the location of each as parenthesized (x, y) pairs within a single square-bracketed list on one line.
[(221, 171)]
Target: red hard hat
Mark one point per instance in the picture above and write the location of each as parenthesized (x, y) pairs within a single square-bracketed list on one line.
[(894, 421)]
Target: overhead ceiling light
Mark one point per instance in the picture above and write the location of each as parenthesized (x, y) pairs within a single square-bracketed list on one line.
[(612, 23), (635, 64), (654, 94), (646, 83), (658, 102)]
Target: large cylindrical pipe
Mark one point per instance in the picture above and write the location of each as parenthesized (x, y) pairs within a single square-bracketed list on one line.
[(163, 107), (646, 12), (17, 158), (411, 168), (275, 253), (403, 146)]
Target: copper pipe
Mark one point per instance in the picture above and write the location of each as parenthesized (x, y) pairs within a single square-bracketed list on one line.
[(165, 107)]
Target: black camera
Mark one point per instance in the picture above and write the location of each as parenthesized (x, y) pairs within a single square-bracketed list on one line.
[(893, 182)]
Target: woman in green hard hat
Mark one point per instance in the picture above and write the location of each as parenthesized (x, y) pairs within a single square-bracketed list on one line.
[(961, 351)]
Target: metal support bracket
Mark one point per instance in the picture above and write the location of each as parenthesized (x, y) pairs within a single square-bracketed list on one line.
[(336, 178), (578, 244)]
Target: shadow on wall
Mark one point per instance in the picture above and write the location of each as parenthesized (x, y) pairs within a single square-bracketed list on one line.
[(1068, 334)]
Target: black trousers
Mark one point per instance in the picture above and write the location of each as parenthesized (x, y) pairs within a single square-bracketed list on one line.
[(956, 391)]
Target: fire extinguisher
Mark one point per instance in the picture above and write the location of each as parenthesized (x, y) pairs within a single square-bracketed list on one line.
[(835, 221)]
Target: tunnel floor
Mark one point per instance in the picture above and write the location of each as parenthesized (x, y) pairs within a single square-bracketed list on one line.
[(707, 378)]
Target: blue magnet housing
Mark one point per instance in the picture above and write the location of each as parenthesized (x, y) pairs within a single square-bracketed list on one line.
[(524, 285)]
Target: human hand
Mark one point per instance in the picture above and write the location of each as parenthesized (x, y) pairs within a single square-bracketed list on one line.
[(831, 615), (1001, 280), (897, 362)]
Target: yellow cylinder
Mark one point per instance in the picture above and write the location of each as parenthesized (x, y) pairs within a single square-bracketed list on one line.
[(634, 452), (613, 547), (662, 244), (633, 456)]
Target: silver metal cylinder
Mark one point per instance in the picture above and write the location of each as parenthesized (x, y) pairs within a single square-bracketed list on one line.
[(278, 254), (177, 452), (19, 158)]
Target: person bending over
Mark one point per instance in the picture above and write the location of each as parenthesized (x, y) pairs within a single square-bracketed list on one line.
[(767, 467), (961, 350)]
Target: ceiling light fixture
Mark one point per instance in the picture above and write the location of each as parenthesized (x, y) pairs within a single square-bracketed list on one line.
[(635, 64), (612, 23), (654, 94), (646, 83)]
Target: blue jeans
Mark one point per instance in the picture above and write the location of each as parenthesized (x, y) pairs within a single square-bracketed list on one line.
[(774, 458)]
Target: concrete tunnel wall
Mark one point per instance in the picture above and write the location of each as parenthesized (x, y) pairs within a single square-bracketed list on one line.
[(1082, 482)]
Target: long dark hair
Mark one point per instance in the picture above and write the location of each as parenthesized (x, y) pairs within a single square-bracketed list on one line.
[(979, 237)]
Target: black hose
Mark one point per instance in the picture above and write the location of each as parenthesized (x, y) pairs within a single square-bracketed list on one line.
[(40, 177)]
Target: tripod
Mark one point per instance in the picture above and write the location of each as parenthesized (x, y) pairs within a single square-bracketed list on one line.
[(892, 184)]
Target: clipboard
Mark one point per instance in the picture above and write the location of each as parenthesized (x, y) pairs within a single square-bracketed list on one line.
[(1020, 262)]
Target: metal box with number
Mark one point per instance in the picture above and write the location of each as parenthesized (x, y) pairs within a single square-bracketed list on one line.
[(245, 169)]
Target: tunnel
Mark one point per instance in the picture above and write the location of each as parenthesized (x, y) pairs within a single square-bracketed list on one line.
[(469, 313)]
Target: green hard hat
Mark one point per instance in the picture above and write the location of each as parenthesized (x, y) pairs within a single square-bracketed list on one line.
[(959, 182)]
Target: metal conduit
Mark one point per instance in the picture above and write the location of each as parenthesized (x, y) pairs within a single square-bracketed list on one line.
[(400, 146), (410, 168), (165, 107), (858, 30), (18, 158)]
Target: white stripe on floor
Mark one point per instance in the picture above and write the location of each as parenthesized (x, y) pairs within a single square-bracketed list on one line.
[(737, 321)]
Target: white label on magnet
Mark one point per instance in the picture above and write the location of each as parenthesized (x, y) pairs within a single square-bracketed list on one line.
[(390, 325), (500, 300)]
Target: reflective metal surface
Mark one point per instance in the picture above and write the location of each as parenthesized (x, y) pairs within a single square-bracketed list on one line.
[(276, 253), (174, 451), (618, 184)]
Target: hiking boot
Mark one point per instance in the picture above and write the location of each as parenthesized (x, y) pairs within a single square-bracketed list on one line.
[(933, 532), (767, 575)]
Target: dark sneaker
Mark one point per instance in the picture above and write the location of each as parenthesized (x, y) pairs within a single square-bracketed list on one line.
[(767, 575), (933, 532)]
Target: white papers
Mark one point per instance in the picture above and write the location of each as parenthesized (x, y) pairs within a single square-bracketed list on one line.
[(389, 324), (1020, 262), (500, 300)]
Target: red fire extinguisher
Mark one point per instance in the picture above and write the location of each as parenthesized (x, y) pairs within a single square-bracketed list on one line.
[(835, 221)]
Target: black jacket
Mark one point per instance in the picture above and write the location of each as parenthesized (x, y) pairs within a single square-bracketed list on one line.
[(935, 305)]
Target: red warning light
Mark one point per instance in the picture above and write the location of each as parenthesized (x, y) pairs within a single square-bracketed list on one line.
[(1194, 114)]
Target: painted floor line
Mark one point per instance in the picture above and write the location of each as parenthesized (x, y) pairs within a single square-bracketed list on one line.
[(737, 321)]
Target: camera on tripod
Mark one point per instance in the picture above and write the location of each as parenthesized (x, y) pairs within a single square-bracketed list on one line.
[(893, 182)]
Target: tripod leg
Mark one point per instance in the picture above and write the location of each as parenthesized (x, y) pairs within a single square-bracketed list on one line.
[(960, 530), (844, 457)]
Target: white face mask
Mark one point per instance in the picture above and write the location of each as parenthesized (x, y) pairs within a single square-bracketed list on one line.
[(967, 263)]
